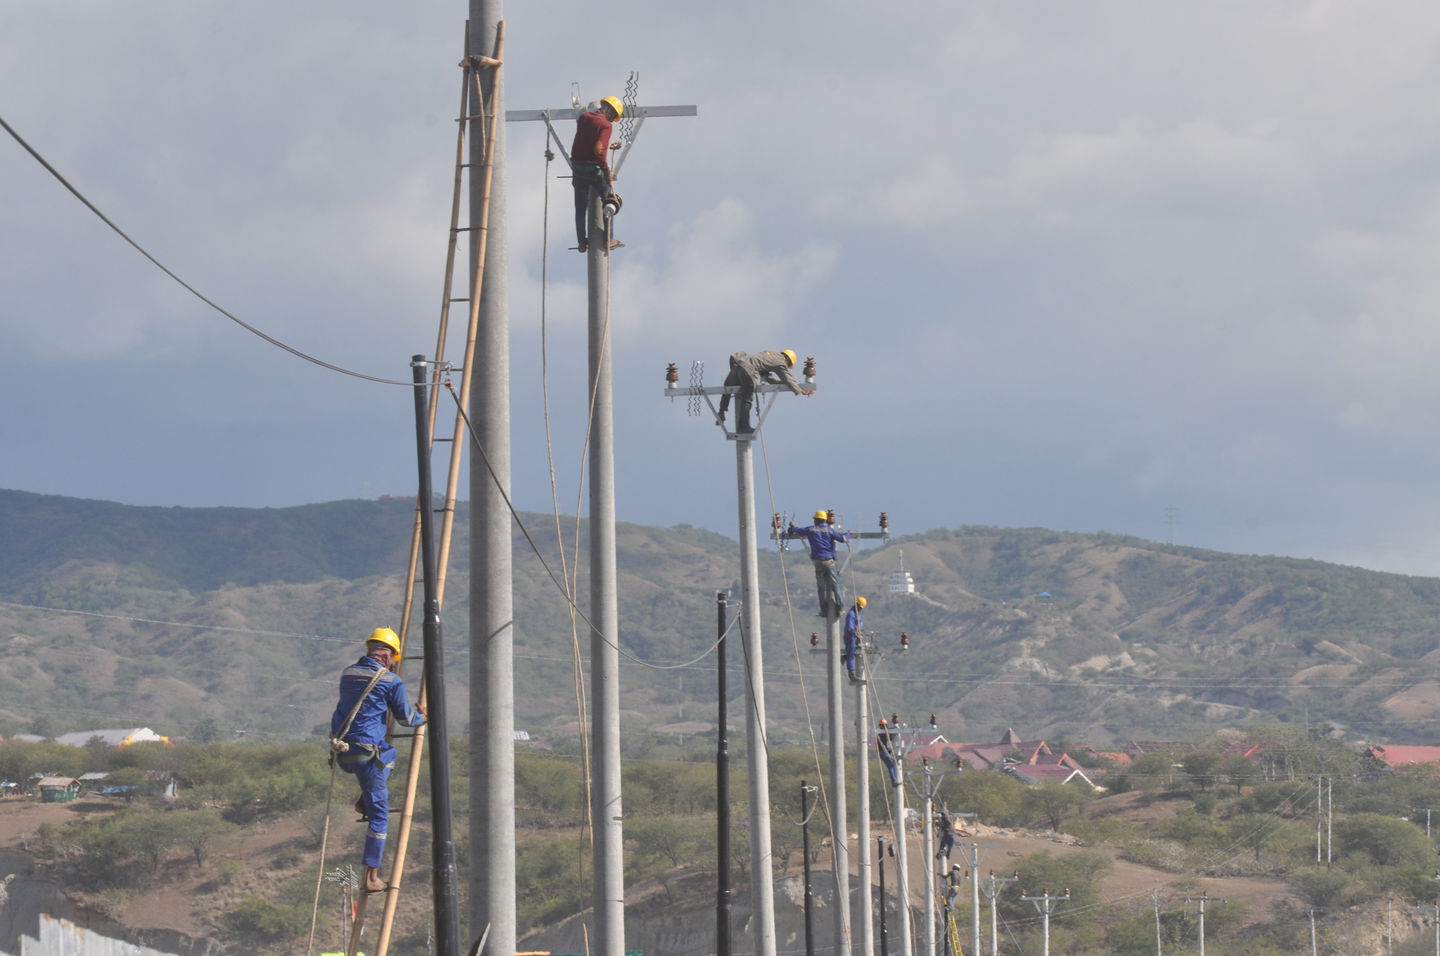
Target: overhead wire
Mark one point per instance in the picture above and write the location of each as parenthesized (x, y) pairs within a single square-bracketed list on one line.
[(185, 285)]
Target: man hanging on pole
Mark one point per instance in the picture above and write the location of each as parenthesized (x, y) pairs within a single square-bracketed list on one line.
[(370, 692), (590, 166)]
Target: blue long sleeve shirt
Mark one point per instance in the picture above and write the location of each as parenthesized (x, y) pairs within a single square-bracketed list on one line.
[(821, 538), (387, 697), (853, 621)]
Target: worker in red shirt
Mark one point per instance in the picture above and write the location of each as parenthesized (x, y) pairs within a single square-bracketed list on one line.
[(590, 164)]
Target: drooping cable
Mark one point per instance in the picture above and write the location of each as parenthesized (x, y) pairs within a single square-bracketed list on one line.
[(185, 285)]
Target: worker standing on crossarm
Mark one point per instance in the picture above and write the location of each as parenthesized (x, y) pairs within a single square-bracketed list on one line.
[(590, 165), (854, 630), (822, 537), (747, 371), (371, 692)]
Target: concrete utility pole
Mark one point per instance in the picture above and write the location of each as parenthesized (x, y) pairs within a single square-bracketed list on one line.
[(1045, 905), (605, 804), (930, 786), (991, 889), (1202, 900), (974, 852), (899, 747), (762, 878), (492, 677), (834, 697), (864, 904)]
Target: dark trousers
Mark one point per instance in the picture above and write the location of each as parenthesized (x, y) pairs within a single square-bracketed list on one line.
[(585, 176)]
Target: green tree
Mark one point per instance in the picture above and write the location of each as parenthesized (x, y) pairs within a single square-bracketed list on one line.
[(1203, 768), (1383, 841), (1051, 802)]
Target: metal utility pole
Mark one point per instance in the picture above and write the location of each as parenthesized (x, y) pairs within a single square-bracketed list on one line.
[(1045, 905), (445, 889), (722, 790), (608, 894), (835, 701), (492, 671), (762, 878), (992, 890)]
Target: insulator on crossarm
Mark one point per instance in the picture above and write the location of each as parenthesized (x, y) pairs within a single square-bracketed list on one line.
[(830, 515), (809, 370), (775, 522), (932, 721), (884, 523), (905, 646), (672, 376), (814, 639)]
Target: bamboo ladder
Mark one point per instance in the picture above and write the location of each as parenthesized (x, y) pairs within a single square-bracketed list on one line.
[(479, 74)]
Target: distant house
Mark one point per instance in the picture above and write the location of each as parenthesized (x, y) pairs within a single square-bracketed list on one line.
[(1400, 756), (1031, 761), (117, 738), (58, 789)]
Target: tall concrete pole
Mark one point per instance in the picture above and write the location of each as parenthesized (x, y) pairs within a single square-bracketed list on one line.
[(839, 821), (762, 889), (864, 905), (609, 851), (927, 823), (902, 862), (492, 684)]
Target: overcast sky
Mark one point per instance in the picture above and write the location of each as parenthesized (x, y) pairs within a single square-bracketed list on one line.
[(1076, 266)]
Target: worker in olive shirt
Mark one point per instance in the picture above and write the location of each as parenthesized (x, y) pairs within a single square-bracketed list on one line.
[(370, 692), (747, 371), (590, 164), (822, 537)]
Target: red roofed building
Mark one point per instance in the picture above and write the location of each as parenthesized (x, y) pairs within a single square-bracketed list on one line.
[(1400, 756)]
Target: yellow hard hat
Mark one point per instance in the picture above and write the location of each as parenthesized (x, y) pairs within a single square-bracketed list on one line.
[(383, 635), (822, 515), (615, 104), (789, 357), (860, 602)]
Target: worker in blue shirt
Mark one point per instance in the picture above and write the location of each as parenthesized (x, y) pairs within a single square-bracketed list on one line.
[(854, 625), (370, 693), (822, 537)]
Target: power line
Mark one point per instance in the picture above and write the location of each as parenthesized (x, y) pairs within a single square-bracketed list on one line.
[(185, 285)]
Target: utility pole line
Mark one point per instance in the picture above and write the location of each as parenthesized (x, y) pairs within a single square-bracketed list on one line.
[(834, 697), (762, 874), (974, 853), (991, 889), (1045, 905), (805, 791), (930, 786), (605, 801), (1155, 898), (898, 747), (1202, 899)]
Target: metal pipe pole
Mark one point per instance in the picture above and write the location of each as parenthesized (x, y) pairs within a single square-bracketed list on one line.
[(445, 888), (492, 681), (762, 881), (864, 905), (839, 831), (722, 791), (609, 850)]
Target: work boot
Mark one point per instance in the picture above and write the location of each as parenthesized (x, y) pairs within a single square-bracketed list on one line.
[(360, 809), (373, 883), (583, 246), (616, 244)]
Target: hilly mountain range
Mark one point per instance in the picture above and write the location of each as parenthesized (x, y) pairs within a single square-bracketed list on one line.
[(234, 622)]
